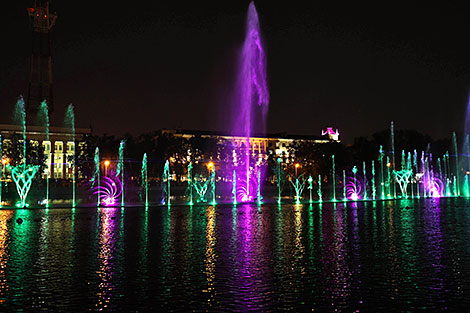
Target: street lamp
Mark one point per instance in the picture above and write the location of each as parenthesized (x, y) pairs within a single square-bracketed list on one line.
[(296, 167), (5, 161), (106, 164)]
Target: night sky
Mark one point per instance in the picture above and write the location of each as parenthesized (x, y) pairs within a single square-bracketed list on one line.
[(166, 64)]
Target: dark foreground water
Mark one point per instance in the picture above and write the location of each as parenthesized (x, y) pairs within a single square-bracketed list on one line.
[(384, 256)]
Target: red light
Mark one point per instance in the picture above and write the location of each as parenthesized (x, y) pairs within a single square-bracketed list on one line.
[(31, 10), (45, 16)]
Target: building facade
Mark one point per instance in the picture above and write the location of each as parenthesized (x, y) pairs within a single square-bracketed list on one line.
[(60, 149)]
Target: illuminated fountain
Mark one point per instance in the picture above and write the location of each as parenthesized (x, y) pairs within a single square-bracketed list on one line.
[(70, 123), (355, 187), (145, 186), (310, 187), (320, 198), (120, 168), (250, 104), (201, 185), (298, 184), (403, 176), (95, 180), (43, 118), (190, 183), (166, 183), (109, 191), (22, 173)]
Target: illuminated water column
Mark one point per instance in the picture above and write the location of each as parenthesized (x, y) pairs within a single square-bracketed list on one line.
[(333, 177), (382, 184), (190, 182), (43, 117), (70, 123), (374, 191), (365, 179), (319, 189), (345, 198), (145, 186), (96, 175), (120, 168), (457, 169)]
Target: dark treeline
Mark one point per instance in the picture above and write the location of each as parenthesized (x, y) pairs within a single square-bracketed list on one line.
[(313, 159)]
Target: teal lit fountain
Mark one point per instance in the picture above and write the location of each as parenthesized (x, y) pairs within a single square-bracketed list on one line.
[(234, 187), (96, 174), (43, 117), (212, 180), (298, 184), (279, 180), (201, 185), (70, 123), (145, 186), (190, 183), (403, 176), (320, 198), (120, 168), (374, 191), (166, 181), (310, 187), (23, 173)]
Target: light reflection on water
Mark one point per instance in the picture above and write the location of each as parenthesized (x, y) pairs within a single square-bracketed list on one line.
[(345, 257)]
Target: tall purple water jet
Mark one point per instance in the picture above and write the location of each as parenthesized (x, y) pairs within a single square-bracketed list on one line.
[(251, 99)]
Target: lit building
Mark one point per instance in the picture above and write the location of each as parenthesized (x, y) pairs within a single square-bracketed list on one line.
[(59, 149), (278, 144)]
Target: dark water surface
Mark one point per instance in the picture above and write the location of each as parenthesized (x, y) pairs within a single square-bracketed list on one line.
[(375, 256)]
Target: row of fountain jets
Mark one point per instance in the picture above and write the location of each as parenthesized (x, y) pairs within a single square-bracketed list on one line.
[(417, 177)]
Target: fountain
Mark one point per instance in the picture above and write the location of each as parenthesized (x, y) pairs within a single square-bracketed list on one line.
[(120, 168), (43, 117), (234, 187), (212, 180), (298, 185), (250, 104), (201, 185), (143, 172), (22, 173), (374, 191), (166, 183), (70, 123), (109, 191), (96, 174), (320, 198), (457, 169), (190, 182), (279, 180), (310, 187), (365, 179)]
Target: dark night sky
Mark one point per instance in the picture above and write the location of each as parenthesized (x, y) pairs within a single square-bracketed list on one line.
[(143, 67)]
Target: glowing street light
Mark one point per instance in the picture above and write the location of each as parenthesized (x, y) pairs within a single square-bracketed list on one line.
[(5, 161), (106, 164), (297, 165)]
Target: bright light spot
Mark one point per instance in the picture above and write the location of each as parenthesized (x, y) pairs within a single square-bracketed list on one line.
[(106, 163), (389, 164)]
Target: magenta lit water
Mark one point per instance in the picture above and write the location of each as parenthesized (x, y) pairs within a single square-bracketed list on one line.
[(250, 102)]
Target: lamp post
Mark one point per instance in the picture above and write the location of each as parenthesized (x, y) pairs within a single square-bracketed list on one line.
[(5, 161), (297, 165), (106, 164)]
